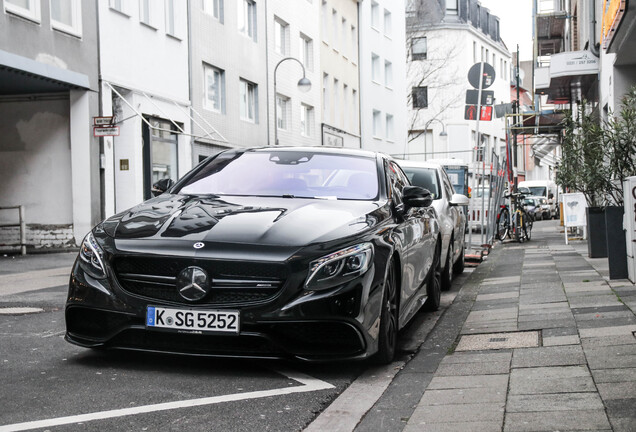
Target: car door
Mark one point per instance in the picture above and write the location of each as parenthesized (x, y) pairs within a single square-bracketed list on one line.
[(415, 224), (456, 215)]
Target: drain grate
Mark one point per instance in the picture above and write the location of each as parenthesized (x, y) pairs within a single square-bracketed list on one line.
[(495, 341)]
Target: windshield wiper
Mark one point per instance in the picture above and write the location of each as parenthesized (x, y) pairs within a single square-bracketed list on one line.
[(288, 196)]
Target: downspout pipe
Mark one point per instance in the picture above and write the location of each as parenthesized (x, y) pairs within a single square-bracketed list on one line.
[(594, 46)]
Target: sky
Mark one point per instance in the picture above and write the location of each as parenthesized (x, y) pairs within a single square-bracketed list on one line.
[(515, 22)]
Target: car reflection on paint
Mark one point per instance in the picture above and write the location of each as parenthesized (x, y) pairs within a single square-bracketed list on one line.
[(309, 253)]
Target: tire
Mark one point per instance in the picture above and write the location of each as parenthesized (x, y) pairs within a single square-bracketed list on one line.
[(527, 230), (459, 265), (503, 224), (388, 320), (447, 272), (434, 283)]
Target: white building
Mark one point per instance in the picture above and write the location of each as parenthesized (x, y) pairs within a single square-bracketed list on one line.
[(383, 109), (444, 45), (339, 68), (145, 84), (293, 47)]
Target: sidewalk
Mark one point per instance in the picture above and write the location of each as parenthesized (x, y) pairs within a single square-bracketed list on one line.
[(547, 344)]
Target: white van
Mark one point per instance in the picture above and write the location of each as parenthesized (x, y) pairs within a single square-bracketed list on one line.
[(547, 189)]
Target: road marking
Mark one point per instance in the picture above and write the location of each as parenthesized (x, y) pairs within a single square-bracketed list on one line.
[(309, 384), (347, 410), (19, 310), (34, 280)]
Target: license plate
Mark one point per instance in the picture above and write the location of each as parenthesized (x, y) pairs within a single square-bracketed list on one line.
[(191, 320)]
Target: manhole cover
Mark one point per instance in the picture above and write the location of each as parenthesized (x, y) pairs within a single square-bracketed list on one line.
[(19, 310), (494, 341)]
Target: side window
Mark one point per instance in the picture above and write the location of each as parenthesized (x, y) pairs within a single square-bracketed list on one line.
[(447, 185), (397, 181)]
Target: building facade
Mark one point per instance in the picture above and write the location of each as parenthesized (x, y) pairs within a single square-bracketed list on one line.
[(444, 43), (339, 33), (382, 54), (144, 67), (228, 77), (49, 160)]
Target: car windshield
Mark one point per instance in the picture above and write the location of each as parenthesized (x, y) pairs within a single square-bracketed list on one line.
[(284, 173), (424, 177), (538, 190)]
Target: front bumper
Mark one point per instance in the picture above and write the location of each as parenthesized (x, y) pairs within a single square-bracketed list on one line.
[(336, 324)]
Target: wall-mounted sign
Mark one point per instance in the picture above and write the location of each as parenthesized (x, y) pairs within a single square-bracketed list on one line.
[(613, 12), (106, 131), (103, 121), (123, 165)]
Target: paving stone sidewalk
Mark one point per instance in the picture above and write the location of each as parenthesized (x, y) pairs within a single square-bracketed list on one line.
[(548, 345)]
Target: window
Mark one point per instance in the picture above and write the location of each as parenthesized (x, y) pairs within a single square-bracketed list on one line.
[(389, 128), (343, 32), (144, 12), (419, 48), (27, 8), (375, 67), (388, 25), (420, 97), (66, 15), (345, 106), (170, 21), (474, 52), (323, 15), (377, 118), (354, 109), (451, 7), (214, 89), (375, 15), (213, 8), (336, 101), (247, 18), (388, 74), (354, 44), (335, 41), (249, 101), (306, 55), (281, 36), (306, 120), (325, 96), (282, 112)]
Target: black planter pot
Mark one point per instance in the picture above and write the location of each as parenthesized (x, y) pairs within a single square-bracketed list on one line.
[(596, 237), (616, 247)]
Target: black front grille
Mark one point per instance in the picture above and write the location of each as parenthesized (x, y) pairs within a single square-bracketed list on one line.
[(231, 282)]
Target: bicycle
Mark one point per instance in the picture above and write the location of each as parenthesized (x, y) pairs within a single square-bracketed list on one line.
[(519, 226)]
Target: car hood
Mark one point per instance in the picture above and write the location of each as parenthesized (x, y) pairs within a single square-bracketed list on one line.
[(247, 220)]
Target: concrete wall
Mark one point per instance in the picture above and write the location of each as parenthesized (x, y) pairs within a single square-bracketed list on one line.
[(388, 44)]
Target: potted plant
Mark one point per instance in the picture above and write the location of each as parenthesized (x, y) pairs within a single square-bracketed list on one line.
[(582, 168)]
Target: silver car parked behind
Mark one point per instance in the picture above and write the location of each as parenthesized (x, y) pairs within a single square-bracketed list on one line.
[(450, 214)]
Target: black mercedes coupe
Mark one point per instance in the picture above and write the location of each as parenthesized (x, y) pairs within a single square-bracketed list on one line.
[(309, 253)]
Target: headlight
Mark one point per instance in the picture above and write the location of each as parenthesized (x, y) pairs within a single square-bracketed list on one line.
[(92, 257), (339, 267)]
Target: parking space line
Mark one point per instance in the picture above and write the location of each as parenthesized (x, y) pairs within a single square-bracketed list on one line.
[(309, 384)]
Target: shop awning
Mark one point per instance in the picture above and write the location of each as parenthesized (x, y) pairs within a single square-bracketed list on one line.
[(21, 75)]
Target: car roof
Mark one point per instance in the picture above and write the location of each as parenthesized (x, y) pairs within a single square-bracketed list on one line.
[(417, 164), (316, 149)]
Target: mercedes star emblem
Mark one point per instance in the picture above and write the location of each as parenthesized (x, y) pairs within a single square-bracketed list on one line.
[(199, 245), (192, 283)]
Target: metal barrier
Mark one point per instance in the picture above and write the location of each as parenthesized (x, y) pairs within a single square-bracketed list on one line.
[(487, 197), (21, 223)]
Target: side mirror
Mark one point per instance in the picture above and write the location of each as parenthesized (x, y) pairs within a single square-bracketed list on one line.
[(161, 186), (459, 200), (416, 196)]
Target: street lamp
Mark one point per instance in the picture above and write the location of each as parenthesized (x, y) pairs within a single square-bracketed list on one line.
[(442, 133), (304, 85)]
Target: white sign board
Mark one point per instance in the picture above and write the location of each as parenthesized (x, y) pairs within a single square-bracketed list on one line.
[(102, 121), (574, 205), (106, 131)]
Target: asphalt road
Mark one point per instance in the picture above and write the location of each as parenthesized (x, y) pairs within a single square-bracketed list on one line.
[(49, 384)]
